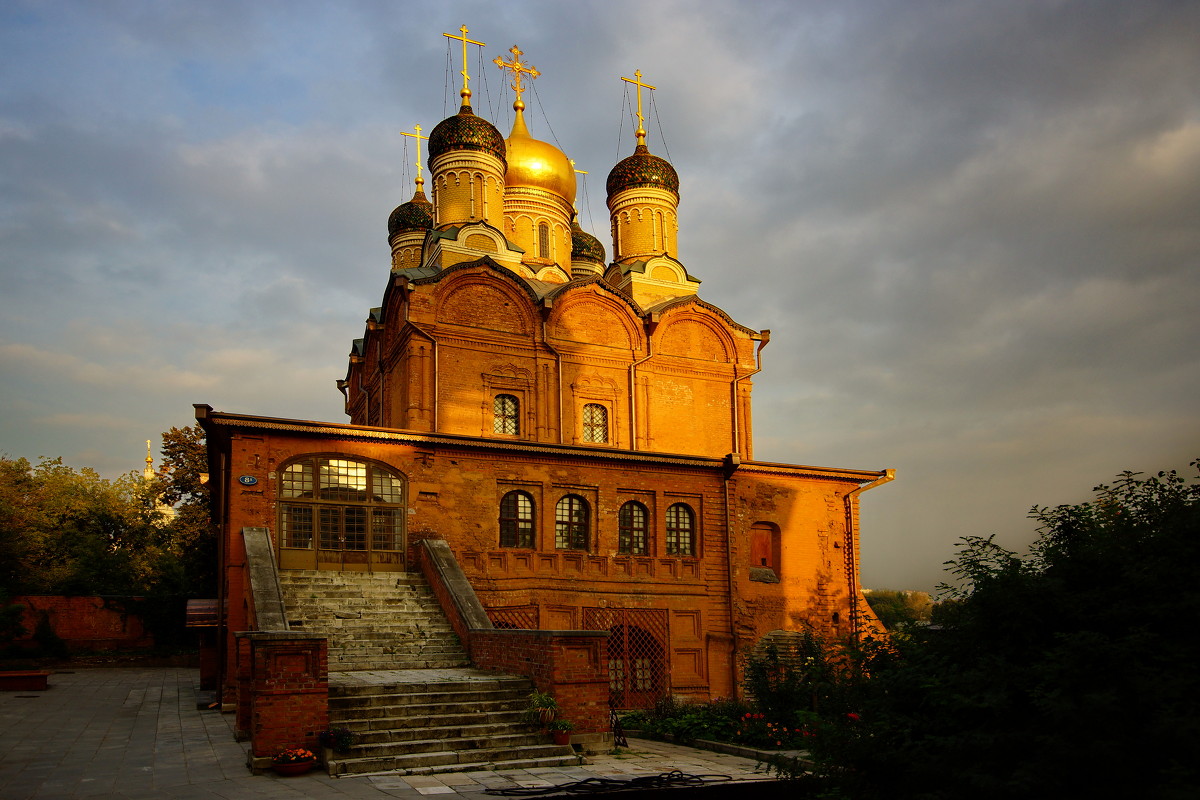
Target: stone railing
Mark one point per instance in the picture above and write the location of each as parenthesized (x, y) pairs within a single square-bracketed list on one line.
[(571, 665)]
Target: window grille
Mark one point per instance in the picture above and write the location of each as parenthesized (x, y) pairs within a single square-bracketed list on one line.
[(505, 418), (523, 617), (571, 523), (631, 529), (637, 663), (543, 240), (595, 423), (516, 520), (681, 534)]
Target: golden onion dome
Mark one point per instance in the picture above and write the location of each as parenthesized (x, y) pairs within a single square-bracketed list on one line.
[(536, 164)]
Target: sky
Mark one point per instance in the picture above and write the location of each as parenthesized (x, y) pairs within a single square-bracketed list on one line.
[(973, 228)]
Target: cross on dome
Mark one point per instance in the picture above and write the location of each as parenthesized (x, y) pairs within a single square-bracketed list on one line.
[(518, 69), (420, 181), (466, 89), (640, 133)]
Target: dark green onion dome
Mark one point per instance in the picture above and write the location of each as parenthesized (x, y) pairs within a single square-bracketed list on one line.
[(465, 131), (415, 215), (584, 246), (643, 169)]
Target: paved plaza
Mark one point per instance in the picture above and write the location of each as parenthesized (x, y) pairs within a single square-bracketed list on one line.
[(136, 733)]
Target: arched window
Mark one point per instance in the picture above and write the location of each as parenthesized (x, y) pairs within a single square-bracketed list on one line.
[(595, 423), (681, 530), (571, 523), (516, 520), (631, 529), (543, 240), (340, 504), (506, 415)]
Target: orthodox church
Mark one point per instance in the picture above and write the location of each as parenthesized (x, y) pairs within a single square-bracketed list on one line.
[(575, 428)]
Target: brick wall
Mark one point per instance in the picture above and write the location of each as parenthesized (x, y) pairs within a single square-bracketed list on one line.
[(85, 623), (571, 665), (284, 694)]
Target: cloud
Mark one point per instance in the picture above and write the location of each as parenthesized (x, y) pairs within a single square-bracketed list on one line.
[(971, 228)]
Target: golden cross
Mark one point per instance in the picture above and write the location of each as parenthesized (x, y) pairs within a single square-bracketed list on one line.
[(577, 172), (418, 137), (466, 90), (518, 69), (641, 131)]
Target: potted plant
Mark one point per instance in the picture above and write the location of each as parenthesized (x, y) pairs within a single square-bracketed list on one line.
[(542, 708), (561, 729), (339, 740), (293, 761)]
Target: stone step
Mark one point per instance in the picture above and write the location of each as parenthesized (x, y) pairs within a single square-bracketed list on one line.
[(366, 625), (496, 733), (427, 714), (369, 590), (361, 666), (407, 636), (475, 698), (397, 660), (545, 755), (331, 576), (368, 724), (412, 745), (568, 760), (488, 685)]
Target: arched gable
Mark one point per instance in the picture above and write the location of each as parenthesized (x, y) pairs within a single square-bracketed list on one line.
[(692, 333), (485, 298), (591, 313)]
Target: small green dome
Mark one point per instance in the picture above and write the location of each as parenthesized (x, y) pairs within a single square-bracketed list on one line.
[(584, 246), (643, 169), (465, 131), (415, 215)]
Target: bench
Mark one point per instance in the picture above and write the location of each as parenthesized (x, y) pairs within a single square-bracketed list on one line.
[(29, 680)]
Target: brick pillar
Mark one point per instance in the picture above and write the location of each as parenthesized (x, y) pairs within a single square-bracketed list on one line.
[(288, 691)]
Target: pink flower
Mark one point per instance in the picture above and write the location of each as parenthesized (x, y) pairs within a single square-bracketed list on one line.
[(853, 717)]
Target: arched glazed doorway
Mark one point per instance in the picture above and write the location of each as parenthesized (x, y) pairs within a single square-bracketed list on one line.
[(340, 513)]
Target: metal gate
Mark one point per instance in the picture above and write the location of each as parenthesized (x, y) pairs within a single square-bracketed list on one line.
[(638, 667)]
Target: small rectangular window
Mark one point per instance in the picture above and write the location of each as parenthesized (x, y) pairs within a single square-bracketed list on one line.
[(595, 423)]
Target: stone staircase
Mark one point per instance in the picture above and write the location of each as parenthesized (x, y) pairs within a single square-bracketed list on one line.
[(418, 723), (383, 620), (398, 678)]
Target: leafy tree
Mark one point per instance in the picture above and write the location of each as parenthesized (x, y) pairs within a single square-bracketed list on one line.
[(1067, 672), (73, 532), (181, 482), (900, 609)]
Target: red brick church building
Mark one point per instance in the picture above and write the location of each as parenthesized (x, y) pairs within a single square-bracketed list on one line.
[(577, 429)]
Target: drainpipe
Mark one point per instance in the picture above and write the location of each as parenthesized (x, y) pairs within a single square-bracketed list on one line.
[(557, 368), (732, 462), (651, 323), (852, 551), (763, 338), (382, 380), (402, 284)]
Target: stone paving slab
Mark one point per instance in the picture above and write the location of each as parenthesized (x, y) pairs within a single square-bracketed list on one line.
[(136, 733)]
